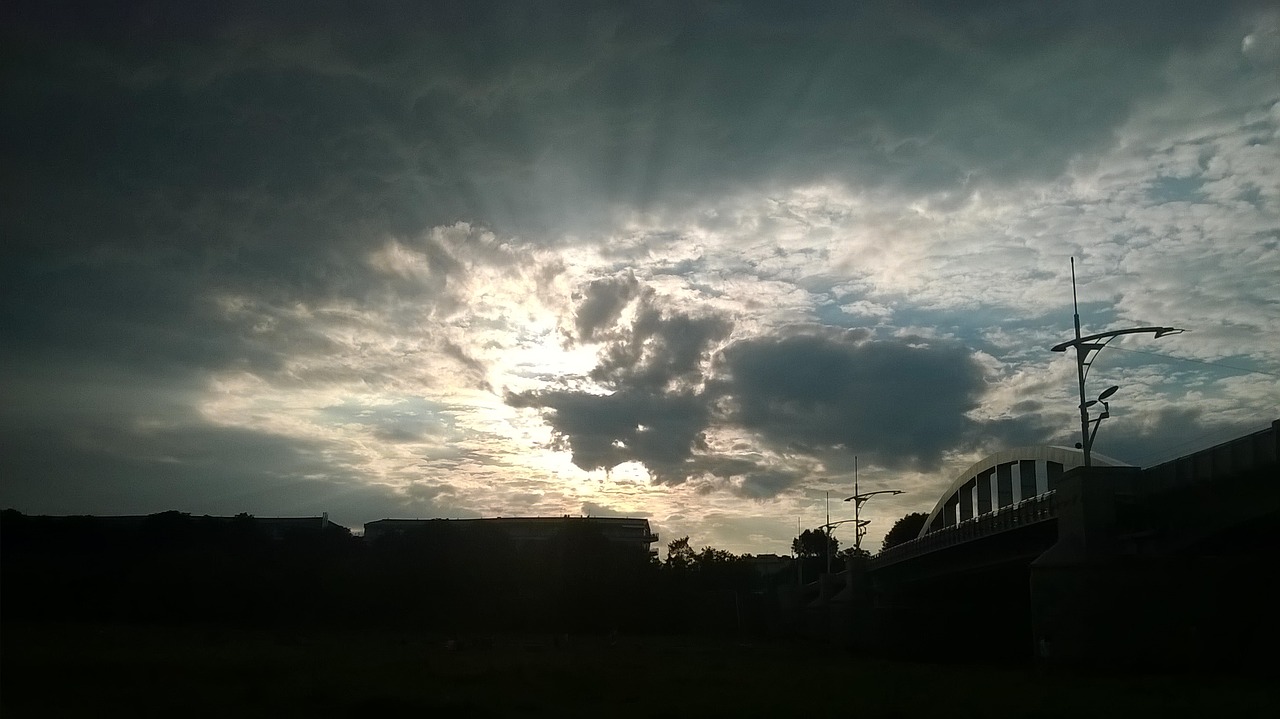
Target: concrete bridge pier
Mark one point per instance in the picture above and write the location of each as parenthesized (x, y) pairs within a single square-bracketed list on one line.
[(1091, 604), (820, 620), (852, 624)]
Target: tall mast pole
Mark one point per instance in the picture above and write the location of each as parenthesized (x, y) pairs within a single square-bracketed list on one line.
[(827, 537), (857, 505), (799, 559), (1081, 354), (1085, 346)]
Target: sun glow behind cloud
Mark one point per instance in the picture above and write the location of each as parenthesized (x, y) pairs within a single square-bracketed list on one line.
[(818, 245)]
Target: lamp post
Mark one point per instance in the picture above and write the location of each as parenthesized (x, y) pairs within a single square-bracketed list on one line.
[(832, 525), (1087, 444), (1086, 352), (858, 499)]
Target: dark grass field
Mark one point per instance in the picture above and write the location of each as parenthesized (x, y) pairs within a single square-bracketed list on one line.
[(95, 670)]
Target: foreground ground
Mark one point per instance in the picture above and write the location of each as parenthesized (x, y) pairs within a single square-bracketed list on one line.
[(84, 671)]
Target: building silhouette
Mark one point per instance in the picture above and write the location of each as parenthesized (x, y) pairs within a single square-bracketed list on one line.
[(527, 533)]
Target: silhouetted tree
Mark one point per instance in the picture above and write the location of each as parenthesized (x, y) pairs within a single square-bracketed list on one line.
[(852, 552), (719, 569), (680, 556), (815, 543), (905, 529), (710, 590), (815, 550)]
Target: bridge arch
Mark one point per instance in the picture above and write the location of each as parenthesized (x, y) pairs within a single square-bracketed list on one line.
[(1005, 478)]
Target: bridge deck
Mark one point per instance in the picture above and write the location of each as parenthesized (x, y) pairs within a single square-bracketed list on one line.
[(1252, 455), (1040, 508)]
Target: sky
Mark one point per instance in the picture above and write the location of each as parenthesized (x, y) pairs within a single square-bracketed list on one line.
[(688, 261)]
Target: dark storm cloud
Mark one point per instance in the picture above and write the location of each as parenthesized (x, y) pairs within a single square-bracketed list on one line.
[(266, 151), (660, 430), (901, 402), (660, 349), (603, 303), (83, 439), (133, 313), (306, 125), (194, 468), (657, 412), (174, 316), (766, 483)]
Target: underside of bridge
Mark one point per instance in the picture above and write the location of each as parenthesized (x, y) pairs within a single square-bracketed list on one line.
[(966, 602), (983, 615)]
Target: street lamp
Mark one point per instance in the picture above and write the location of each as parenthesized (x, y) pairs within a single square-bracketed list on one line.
[(1086, 352), (832, 525), (858, 499), (1087, 444)]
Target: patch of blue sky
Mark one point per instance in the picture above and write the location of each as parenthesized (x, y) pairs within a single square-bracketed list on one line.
[(1176, 189), (972, 326)]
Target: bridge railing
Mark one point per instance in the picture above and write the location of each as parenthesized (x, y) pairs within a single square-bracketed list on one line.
[(1242, 454), (1029, 511)]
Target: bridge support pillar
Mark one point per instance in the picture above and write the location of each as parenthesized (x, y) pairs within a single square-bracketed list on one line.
[(818, 613), (857, 625), (1081, 594)]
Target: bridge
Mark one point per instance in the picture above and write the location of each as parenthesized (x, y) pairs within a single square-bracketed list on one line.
[(1030, 553)]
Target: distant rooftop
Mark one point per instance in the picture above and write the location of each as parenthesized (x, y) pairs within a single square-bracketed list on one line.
[(526, 529), (131, 520)]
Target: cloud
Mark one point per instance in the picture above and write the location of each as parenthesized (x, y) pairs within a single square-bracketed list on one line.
[(1262, 46), (602, 304), (195, 468), (654, 411), (288, 129), (405, 421), (660, 350), (474, 367), (900, 402), (602, 431), (747, 474), (764, 483), (591, 509)]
